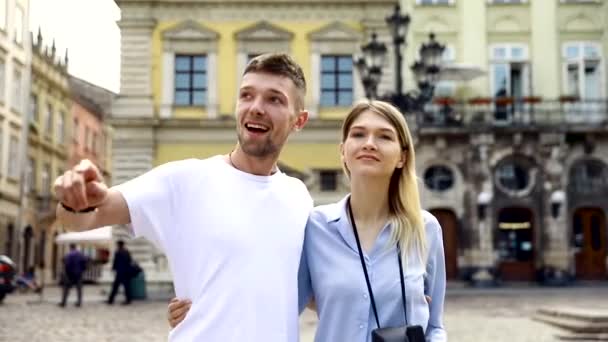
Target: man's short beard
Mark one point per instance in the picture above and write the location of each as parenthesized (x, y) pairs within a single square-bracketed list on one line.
[(266, 149)]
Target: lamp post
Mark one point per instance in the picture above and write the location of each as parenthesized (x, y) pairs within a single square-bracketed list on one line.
[(426, 70)]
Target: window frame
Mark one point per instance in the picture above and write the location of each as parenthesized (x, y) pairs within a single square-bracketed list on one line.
[(580, 61), (18, 32), (333, 180), (336, 73), (191, 72), (508, 60)]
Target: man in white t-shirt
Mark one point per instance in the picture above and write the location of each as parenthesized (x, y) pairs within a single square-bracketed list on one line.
[(232, 226)]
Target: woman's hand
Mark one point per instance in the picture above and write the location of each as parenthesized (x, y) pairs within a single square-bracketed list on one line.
[(177, 311)]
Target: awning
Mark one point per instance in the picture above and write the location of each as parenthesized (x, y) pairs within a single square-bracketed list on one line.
[(99, 236), (460, 72)]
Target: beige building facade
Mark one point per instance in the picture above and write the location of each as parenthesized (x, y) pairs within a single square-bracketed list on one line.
[(14, 63)]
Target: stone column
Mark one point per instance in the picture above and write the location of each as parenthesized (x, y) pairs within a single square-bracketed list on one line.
[(556, 252), (482, 247), (135, 99)]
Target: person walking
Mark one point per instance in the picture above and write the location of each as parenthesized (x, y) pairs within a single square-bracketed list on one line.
[(74, 265), (123, 269)]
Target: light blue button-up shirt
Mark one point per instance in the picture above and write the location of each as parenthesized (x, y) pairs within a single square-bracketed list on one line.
[(331, 270)]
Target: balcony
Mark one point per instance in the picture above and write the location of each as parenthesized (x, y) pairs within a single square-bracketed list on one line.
[(513, 114)]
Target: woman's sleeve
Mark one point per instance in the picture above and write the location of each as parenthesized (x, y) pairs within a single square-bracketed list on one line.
[(435, 284)]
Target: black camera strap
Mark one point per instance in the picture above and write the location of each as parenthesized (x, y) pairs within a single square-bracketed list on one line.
[(369, 286)]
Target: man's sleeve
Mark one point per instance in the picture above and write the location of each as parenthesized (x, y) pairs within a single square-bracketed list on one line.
[(150, 202)]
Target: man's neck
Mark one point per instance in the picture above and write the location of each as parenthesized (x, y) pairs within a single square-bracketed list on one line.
[(254, 165)]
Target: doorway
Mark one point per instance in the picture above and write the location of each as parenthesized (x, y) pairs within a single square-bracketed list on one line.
[(589, 237), (449, 227)]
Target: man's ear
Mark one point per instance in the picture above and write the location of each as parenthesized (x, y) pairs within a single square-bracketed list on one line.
[(301, 120)]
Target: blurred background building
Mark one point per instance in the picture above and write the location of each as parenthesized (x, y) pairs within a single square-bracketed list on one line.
[(513, 163), (48, 121), (512, 145)]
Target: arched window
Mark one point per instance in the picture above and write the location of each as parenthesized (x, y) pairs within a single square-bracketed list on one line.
[(512, 175), (589, 177), (439, 178)]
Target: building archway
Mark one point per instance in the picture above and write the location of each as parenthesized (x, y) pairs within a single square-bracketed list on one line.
[(55, 256), (28, 234), (516, 244), (449, 228), (589, 239)]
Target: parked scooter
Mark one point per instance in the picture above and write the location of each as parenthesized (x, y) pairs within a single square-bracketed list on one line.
[(7, 276)]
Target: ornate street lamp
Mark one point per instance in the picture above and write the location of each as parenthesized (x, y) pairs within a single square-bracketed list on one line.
[(426, 71), (370, 65)]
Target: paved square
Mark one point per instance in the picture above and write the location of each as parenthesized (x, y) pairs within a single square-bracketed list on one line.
[(502, 314)]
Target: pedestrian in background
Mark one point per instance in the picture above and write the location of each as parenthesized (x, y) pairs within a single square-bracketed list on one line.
[(123, 269), (74, 264)]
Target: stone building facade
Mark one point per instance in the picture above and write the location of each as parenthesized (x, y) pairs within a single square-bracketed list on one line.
[(513, 163)]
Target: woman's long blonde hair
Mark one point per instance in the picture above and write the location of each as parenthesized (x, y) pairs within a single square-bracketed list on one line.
[(403, 197)]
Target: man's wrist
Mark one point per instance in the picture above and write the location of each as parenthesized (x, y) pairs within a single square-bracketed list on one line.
[(71, 210)]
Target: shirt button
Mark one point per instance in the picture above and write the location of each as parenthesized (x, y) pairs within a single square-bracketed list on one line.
[(360, 326), (365, 296)]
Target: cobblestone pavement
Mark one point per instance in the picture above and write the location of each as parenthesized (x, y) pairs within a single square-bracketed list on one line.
[(471, 315)]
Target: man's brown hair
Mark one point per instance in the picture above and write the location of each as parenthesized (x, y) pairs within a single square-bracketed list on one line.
[(280, 64)]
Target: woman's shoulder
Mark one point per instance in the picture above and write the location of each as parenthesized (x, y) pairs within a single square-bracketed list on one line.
[(322, 216), (432, 226)]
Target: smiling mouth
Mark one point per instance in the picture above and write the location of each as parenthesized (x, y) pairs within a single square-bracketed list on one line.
[(368, 158), (256, 128)]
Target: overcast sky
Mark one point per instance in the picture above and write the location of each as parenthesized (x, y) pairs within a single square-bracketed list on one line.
[(87, 28)]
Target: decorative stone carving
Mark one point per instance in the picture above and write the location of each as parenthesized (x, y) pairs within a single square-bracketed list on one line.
[(336, 31)]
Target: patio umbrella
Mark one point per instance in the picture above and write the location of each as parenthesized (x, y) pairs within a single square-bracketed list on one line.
[(460, 72), (100, 236)]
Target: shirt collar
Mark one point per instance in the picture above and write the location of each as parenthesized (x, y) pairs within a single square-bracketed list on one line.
[(338, 215)]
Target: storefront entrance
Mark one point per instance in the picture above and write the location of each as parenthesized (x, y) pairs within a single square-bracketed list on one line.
[(515, 243)]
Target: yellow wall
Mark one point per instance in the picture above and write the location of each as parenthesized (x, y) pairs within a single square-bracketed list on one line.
[(226, 58), (296, 155)]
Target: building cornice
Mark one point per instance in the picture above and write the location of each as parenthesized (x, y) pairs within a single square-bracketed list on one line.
[(248, 2)]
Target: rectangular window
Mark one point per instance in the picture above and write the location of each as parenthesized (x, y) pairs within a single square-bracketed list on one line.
[(2, 79), (190, 80), (1, 149), (336, 81), (446, 88), (75, 131), (510, 71), (87, 138), (30, 175), (94, 143), (45, 179), (34, 108), (48, 124), (583, 74), (18, 25), (3, 14), (16, 100), (13, 148), (60, 130), (328, 180)]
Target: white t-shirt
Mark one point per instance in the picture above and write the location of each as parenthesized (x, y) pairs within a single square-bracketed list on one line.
[(233, 241)]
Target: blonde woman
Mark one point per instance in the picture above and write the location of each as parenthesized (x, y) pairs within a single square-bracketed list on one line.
[(376, 235)]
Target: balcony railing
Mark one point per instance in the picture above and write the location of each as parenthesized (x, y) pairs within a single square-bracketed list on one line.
[(531, 112)]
